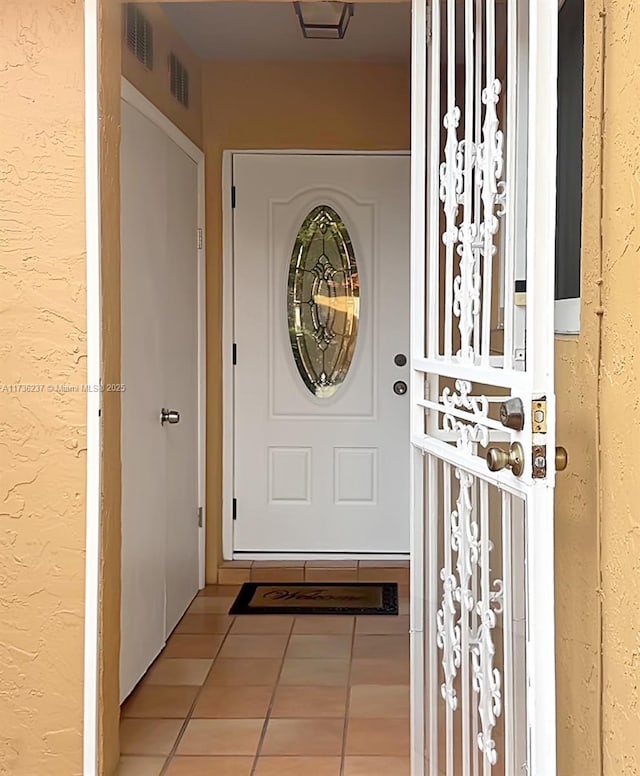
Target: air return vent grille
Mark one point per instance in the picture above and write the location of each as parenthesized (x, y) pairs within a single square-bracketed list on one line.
[(179, 76), (139, 34)]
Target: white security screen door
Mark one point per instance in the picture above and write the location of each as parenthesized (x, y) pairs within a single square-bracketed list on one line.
[(482, 387), (321, 330)]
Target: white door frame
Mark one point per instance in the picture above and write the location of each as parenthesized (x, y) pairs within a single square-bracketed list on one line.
[(138, 101), (228, 408)]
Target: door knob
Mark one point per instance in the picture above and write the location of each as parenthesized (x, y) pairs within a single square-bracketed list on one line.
[(562, 459), (169, 416), (513, 458), (400, 387)]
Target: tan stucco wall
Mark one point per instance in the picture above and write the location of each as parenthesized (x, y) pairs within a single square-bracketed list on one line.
[(598, 383), (270, 105), (43, 341), (577, 515), (620, 391)]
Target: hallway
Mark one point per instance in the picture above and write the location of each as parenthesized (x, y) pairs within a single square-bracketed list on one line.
[(274, 695)]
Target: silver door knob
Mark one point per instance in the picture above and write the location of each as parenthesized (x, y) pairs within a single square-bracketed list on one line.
[(169, 416)]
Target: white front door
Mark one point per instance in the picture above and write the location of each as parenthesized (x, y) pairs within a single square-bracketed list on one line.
[(321, 330), (482, 387), (159, 370)]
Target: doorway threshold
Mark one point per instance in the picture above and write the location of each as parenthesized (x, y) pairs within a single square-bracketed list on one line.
[(315, 570)]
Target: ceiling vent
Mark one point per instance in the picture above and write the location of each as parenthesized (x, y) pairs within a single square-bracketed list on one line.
[(138, 34), (179, 80)]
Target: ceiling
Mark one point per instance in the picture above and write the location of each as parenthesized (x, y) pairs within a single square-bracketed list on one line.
[(233, 31)]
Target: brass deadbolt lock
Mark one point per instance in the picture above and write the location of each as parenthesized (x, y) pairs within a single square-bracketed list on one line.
[(562, 459), (498, 459), (512, 414)]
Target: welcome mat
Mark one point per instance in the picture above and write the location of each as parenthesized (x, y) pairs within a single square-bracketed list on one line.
[(317, 598)]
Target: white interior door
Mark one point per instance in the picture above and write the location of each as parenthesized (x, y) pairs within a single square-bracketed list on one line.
[(159, 370), (321, 450), (181, 383), (482, 387)]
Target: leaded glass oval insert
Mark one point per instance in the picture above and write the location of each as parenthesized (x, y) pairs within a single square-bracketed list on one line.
[(323, 301)]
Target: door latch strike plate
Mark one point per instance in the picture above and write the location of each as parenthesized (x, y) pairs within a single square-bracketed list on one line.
[(539, 415), (539, 462)]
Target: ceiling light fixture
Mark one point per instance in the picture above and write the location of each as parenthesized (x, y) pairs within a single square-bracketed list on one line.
[(327, 20)]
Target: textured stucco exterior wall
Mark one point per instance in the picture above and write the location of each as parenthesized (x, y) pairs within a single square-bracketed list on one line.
[(269, 105), (598, 515), (620, 391), (577, 520), (43, 341)]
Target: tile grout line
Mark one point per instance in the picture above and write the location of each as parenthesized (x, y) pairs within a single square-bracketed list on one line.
[(267, 717), (348, 704), (189, 714)]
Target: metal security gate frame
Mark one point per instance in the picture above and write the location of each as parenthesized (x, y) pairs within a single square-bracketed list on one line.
[(482, 387)]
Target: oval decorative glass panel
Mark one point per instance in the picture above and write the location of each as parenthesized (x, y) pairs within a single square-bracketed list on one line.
[(323, 301)]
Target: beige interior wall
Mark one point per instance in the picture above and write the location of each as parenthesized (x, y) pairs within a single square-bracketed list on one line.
[(109, 710), (271, 105), (620, 391), (43, 434)]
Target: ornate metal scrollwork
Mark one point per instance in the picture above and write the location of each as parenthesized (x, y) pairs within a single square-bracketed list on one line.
[(453, 617), (479, 166)]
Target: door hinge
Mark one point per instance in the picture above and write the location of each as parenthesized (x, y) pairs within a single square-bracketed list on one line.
[(429, 24), (233, 196), (234, 354), (235, 508), (200, 517), (200, 238)]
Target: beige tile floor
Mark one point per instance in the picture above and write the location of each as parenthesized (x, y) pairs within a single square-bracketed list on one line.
[(272, 696)]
